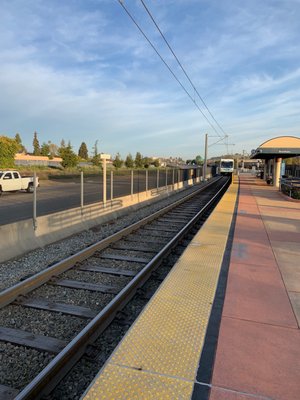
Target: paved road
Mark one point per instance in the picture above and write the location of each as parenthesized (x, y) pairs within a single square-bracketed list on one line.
[(61, 195)]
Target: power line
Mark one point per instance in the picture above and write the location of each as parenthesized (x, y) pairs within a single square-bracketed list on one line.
[(179, 63), (166, 64)]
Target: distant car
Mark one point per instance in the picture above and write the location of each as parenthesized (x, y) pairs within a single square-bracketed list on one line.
[(12, 181)]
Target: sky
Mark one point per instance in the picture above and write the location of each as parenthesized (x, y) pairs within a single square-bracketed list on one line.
[(81, 71)]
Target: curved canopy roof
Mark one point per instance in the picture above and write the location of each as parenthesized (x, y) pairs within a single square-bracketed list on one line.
[(281, 146)]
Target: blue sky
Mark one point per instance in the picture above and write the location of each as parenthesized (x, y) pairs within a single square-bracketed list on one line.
[(80, 70)]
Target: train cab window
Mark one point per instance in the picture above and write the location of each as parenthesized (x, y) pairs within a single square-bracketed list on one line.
[(226, 164)]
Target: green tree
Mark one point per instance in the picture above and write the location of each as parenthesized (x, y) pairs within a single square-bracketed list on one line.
[(45, 149), (156, 163), (36, 145), (69, 158), (53, 149), (118, 162), (83, 151), (146, 161), (138, 162), (8, 150), (129, 163), (18, 139), (199, 160), (293, 161), (95, 149), (96, 159)]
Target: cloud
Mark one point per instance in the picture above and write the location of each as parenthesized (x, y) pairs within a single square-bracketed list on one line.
[(82, 69)]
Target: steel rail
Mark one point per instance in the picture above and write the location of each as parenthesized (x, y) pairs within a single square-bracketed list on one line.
[(50, 376), (9, 295)]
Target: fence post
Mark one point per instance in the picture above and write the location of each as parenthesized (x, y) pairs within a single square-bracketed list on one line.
[(131, 189), (146, 181), (34, 202), (111, 185), (157, 179), (173, 178), (166, 178), (104, 157), (104, 182), (81, 191)]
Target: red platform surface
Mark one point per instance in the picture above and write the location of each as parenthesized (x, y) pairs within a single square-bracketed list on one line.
[(258, 352)]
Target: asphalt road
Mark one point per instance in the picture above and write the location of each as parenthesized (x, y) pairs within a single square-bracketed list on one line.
[(54, 196)]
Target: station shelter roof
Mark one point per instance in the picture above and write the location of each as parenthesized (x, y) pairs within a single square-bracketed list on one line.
[(281, 146)]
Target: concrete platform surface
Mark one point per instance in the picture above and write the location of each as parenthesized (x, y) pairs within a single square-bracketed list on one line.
[(258, 352)]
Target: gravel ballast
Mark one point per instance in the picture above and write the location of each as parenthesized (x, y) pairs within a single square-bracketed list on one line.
[(65, 327), (14, 271)]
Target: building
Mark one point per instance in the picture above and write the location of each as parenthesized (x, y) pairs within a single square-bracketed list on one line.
[(29, 160)]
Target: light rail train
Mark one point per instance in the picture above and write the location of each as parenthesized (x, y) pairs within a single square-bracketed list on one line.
[(225, 166)]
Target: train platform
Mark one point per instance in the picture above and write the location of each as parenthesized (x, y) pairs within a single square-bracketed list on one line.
[(190, 342)]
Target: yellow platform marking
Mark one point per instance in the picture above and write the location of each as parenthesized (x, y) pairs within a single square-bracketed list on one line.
[(124, 383), (159, 356)]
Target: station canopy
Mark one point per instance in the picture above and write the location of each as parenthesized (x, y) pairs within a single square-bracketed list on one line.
[(281, 146)]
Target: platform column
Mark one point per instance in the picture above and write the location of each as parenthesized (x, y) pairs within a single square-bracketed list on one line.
[(277, 171), (269, 167), (265, 169)]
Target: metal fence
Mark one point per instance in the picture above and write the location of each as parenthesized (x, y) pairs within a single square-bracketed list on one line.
[(87, 189), (292, 171), (290, 187)]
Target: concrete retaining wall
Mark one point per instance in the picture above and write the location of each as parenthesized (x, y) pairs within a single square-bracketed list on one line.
[(21, 237)]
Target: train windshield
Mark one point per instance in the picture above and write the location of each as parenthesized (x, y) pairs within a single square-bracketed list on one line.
[(226, 164)]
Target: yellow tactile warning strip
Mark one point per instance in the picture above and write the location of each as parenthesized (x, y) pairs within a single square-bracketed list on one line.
[(159, 356)]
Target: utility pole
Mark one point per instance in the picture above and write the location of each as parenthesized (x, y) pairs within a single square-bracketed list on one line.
[(243, 161), (205, 158)]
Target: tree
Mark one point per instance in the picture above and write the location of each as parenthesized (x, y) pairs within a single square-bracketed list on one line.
[(199, 160), (8, 150), (53, 149), (45, 149), (95, 148), (62, 143), (83, 151), (146, 161), (156, 163), (118, 162), (69, 158), (18, 139), (138, 160), (96, 160), (292, 161), (129, 163), (36, 145)]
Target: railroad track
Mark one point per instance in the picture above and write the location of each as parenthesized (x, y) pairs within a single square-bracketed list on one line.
[(50, 320)]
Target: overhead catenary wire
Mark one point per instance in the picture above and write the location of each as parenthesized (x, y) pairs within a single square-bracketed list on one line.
[(166, 64), (181, 66)]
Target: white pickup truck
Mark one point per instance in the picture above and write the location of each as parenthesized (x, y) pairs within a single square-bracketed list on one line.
[(11, 181)]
